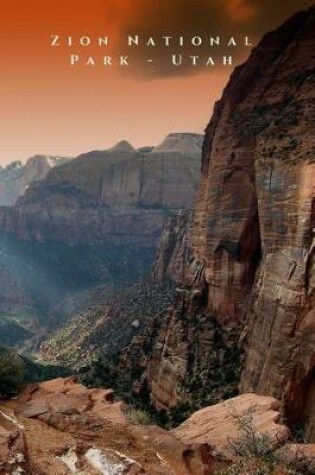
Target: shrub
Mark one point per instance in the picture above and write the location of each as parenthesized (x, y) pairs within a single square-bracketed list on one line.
[(256, 455), (251, 443), (138, 416), (11, 373)]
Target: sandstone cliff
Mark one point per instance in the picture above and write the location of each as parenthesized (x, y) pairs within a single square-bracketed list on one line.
[(119, 195), (174, 248), (247, 276)]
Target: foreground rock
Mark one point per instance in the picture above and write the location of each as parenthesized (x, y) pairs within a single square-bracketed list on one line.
[(51, 400), (221, 425), (12, 444), (60, 427)]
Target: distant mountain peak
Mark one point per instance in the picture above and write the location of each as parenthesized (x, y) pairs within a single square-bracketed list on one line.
[(42, 159), (14, 165), (122, 146), (16, 177), (184, 142)]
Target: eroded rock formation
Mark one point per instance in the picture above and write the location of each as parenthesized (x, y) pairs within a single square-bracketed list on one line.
[(250, 258), (173, 251), (218, 425)]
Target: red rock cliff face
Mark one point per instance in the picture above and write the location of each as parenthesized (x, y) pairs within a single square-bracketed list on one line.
[(251, 242), (256, 155)]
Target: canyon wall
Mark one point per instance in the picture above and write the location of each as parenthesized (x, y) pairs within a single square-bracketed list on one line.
[(119, 195), (93, 221), (245, 268)]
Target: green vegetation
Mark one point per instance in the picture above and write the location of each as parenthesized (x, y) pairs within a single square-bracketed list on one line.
[(36, 372), (279, 140), (65, 280), (104, 373), (105, 329), (11, 373), (255, 453), (12, 333), (210, 377), (138, 416), (16, 371)]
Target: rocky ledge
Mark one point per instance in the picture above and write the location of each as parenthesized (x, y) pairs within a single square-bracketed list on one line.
[(60, 427)]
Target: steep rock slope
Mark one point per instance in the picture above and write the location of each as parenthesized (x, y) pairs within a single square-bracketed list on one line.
[(247, 275), (103, 330), (174, 248), (15, 178)]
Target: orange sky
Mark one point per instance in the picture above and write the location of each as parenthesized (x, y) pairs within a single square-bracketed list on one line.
[(48, 107)]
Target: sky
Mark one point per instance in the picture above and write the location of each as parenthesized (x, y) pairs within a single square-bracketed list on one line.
[(49, 107)]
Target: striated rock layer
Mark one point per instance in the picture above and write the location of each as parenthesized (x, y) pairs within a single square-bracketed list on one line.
[(248, 260), (120, 196)]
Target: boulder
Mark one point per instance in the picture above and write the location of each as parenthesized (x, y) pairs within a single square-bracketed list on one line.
[(221, 425)]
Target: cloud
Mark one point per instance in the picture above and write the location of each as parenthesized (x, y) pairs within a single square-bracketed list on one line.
[(239, 10), (193, 17)]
